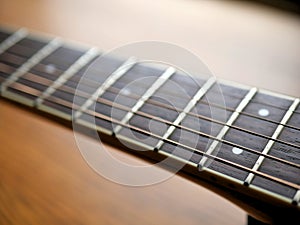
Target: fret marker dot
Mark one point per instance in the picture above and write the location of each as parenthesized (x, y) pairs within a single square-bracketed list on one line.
[(50, 68), (263, 112), (237, 151), (125, 91)]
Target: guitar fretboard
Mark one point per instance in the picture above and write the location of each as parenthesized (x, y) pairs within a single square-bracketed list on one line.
[(249, 135)]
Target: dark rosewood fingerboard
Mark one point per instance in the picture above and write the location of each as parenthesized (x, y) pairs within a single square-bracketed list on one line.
[(230, 133)]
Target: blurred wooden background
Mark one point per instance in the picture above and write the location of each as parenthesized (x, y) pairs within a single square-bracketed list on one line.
[(43, 178)]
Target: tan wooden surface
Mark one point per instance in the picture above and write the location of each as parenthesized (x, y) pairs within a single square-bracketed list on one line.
[(44, 179)]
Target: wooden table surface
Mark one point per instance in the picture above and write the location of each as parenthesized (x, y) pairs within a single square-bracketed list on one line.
[(44, 179)]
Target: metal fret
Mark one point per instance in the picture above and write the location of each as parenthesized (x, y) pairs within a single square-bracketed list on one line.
[(118, 73), (81, 62), (13, 39), (200, 93), (270, 143), (230, 121), (154, 87), (35, 59), (296, 199)]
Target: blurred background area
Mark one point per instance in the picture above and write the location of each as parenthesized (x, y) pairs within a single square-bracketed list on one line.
[(288, 5), (251, 42)]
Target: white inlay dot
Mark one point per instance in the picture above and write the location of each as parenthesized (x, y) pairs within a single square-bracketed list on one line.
[(263, 112), (236, 150), (125, 91), (50, 68)]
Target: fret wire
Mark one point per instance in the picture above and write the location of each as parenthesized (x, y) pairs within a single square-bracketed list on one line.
[(125, 108), (296, 199), (115, 90), (256, 117), (230, 121), (242, 113), (107, 118), (74, 68), (154, 87), (21, 33), (270, 143), (68, 89), (32, 61), (258, 102), (244, 129), (230, 109), (227, 162), (190, 113), (265, 119), (206, 118), (118, 73), (267, 104), (13, 39), (251, 115), (270, 177), (122, 107), (191, 104), (38, 78)]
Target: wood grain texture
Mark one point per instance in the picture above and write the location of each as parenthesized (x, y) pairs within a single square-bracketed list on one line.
[(44, 179)]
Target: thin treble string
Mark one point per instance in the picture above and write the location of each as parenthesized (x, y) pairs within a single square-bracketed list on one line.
[(244, 130), (151, 101), (255, 116), (47, 82), (20, 58), (94, 83), (71, 90), (70, 105)]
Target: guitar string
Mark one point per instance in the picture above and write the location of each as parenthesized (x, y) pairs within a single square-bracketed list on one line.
[(191, 113), (117, 91), (20, 57), (71, 90), (228, 94), (157, 103), (147, 115), (264, 136), (21, 60), (296, 112), (231, 110), (70, 105)]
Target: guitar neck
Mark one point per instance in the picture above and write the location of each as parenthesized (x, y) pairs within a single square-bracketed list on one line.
[(241, 139)]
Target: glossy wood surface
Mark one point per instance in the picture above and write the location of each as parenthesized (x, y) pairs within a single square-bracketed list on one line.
[(44, 179)]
